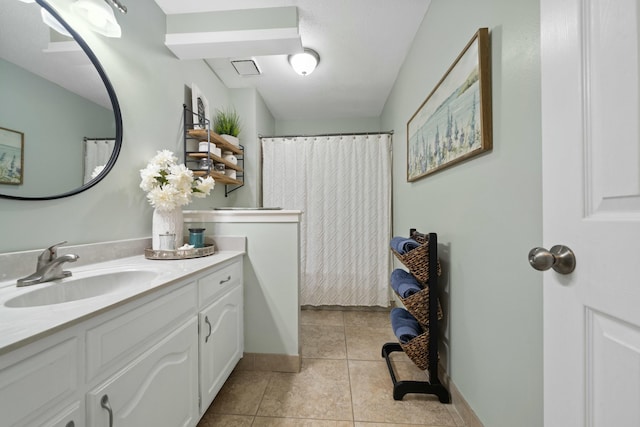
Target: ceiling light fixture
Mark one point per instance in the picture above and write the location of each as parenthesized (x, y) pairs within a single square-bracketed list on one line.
[(304, 63), (99, 16)]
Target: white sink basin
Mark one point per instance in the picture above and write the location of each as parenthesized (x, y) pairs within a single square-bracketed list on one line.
[(77, 288)]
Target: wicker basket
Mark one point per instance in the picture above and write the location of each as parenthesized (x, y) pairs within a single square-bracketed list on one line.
[(418, 305), (417, 260), (417, 350)]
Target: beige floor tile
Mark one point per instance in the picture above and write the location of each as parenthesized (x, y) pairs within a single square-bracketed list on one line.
[(319, 391), (405, 369), (457, 418), (219, 420), (369, 319), (372, 394), (323, 342), (366, 343), (241, 394), (329, 391), (321, 317), (399, 356), (361, 424), (296, 422)]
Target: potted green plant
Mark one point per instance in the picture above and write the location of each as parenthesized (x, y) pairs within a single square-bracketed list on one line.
[(226, 123)]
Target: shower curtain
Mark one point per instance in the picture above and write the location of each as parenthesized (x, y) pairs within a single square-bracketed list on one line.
[(96, 153), (343, 186)]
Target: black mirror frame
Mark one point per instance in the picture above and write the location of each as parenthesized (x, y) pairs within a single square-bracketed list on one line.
[(114, 102)]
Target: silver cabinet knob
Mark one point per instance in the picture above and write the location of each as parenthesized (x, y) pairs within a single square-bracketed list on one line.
[(560, 258)]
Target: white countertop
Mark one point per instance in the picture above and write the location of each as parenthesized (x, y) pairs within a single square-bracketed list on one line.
[(242, 215), (22, 325)]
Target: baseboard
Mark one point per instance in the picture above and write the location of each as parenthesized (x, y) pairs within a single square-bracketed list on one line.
[(269, 362), (459, 403)]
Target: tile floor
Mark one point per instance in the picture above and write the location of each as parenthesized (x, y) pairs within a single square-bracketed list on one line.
[(344, 382)]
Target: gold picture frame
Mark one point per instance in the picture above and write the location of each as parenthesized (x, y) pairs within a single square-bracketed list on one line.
[(454, 123)]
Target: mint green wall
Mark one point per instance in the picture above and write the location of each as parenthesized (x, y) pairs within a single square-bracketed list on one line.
[(271, 304), (487, 211), (265, 126), (53, 129), (151, 85), (315, 127)]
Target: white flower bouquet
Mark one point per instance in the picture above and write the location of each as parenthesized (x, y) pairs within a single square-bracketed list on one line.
[(169, 184)]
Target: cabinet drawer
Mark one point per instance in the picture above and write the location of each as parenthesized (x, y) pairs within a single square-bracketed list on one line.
[(124, 337), (42, 380), (216, 283)]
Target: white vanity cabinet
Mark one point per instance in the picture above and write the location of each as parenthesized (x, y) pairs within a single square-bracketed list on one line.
[(157, 359), (72, 416), (153, 350), (40, 386), (157, 389), (221, 329)]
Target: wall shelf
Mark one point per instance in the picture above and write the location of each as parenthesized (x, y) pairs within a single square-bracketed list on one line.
[(193, 158)]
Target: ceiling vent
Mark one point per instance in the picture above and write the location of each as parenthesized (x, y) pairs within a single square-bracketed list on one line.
[(246, 67)]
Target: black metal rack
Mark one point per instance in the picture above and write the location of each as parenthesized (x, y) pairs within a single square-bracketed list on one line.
[(433, 386), (230, 185)]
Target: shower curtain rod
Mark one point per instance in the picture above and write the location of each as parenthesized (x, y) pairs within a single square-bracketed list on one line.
[(97, 139), (389, 132)]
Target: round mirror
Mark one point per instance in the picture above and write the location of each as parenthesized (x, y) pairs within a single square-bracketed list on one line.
[(60, 121)]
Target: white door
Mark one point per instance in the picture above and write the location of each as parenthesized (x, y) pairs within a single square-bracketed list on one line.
[(591, 203)]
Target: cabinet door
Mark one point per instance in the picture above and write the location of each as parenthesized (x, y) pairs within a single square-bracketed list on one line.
[(221, 343), (158, 389), (72, 416), (37, 384)]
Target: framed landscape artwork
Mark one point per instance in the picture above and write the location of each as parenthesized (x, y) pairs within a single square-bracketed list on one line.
[(11, 156), (454, 123)]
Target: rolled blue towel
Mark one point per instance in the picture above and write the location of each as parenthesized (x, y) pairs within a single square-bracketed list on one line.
[(404, 284), (402, 245), (404, 325)]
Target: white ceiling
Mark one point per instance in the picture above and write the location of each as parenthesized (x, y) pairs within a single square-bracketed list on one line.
[(361, 43), (26, 42)]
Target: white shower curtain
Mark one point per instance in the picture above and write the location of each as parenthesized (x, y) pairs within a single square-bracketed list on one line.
[(96, 153), (343, 186)]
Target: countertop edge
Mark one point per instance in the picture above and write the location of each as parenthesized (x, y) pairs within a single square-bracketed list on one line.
[(252, 215), (35, 333)]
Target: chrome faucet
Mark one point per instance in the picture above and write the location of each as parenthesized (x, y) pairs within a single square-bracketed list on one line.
[(49, 267)]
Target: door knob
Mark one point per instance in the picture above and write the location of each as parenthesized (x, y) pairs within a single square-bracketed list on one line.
[(560, 258)]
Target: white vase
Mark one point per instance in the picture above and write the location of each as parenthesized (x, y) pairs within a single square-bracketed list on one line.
[(167, 222)]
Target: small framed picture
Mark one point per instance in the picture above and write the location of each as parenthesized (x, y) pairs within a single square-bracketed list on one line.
[(200, 107), (11, 156)]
